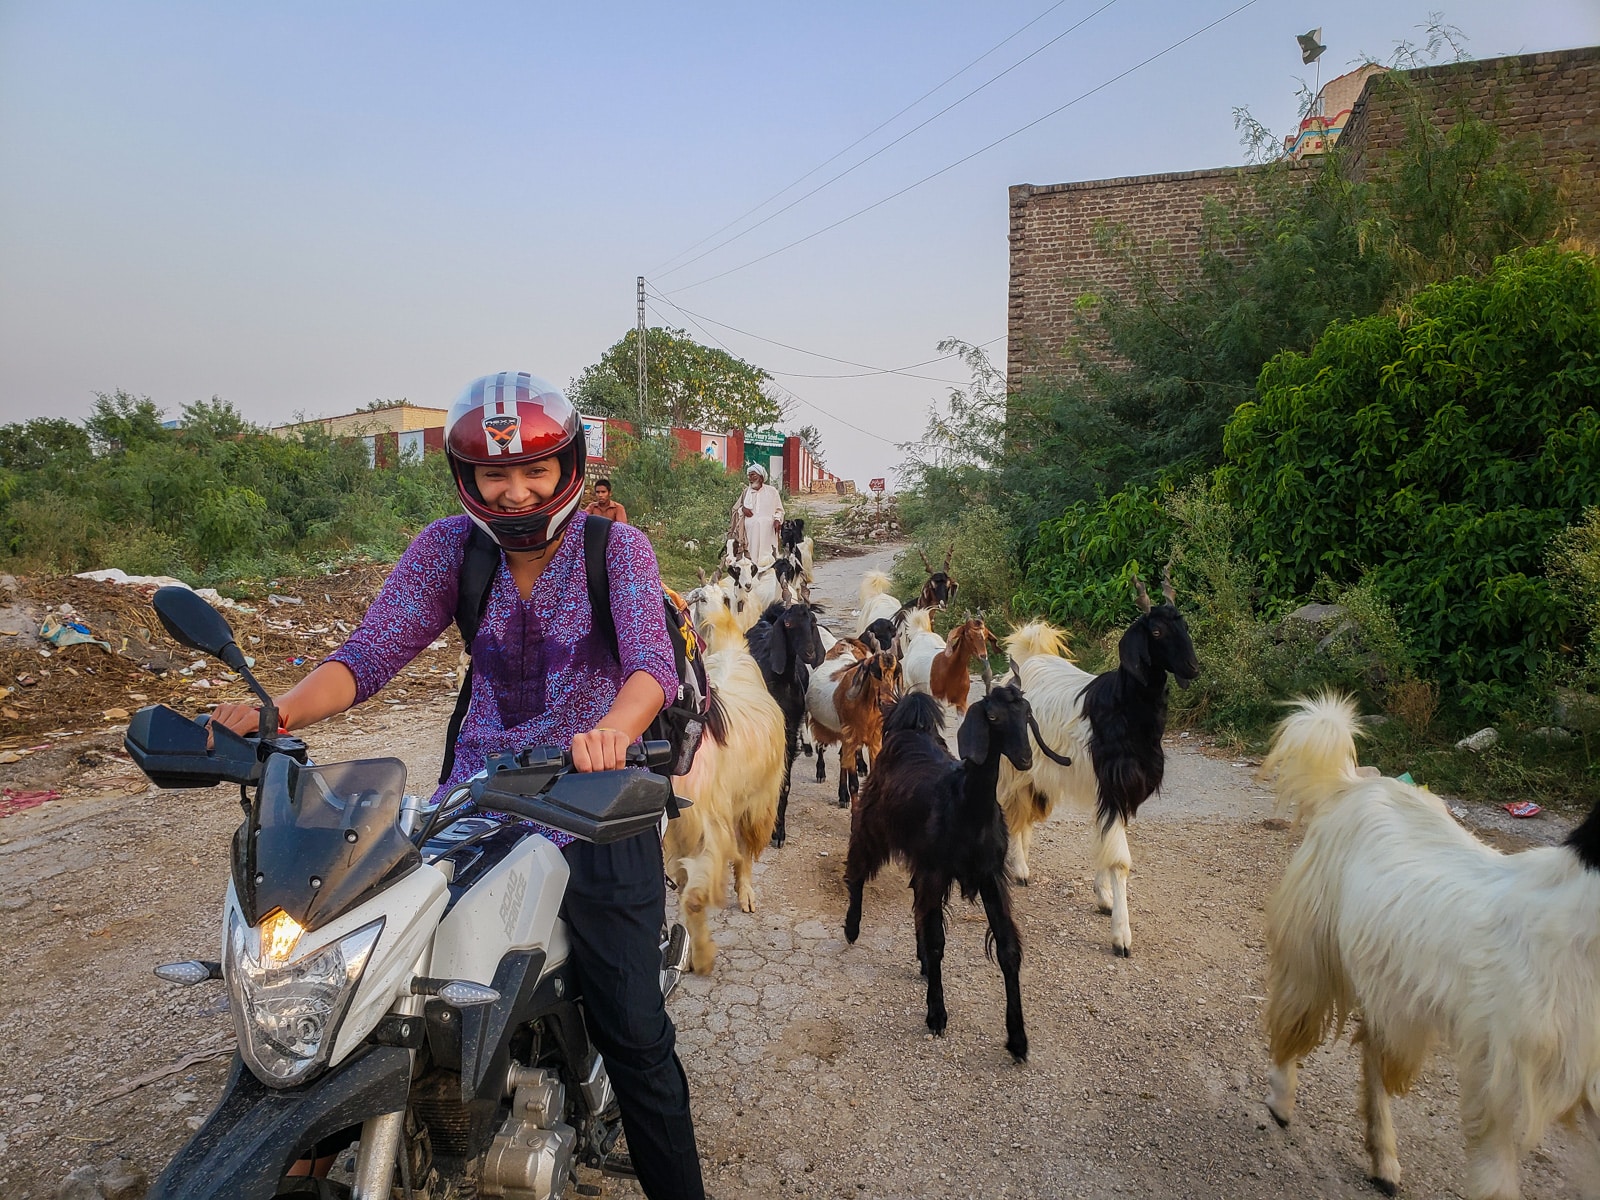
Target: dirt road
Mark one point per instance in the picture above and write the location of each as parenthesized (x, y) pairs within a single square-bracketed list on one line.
[(813, 1074)]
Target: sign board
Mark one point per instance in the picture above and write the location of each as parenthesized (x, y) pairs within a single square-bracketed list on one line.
[(594, 435), (875, 484)]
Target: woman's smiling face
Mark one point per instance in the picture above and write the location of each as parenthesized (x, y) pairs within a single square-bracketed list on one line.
[(519, 487)]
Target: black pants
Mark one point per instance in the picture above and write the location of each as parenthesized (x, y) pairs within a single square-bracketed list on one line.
[(614, 907)]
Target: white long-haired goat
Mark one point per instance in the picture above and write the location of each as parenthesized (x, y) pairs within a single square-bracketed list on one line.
[(733, 784), (876, 600), (1391, 912)]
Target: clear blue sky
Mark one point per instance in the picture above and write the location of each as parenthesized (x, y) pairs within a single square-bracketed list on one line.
[(302, 207)]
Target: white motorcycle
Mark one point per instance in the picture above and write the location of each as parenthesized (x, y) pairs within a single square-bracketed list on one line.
[(397, 972)]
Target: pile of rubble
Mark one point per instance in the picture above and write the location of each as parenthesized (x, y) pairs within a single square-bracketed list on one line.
[(869, 521), (79, 655)]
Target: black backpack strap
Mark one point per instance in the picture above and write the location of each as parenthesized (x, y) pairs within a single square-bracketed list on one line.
[(596, 540), (480, 563)]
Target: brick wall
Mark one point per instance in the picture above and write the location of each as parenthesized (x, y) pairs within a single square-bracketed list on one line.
[(1057, 256), (1552, 99)]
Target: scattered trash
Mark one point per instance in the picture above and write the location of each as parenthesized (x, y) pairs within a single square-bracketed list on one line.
[(296, 660), (1523, 808), (18, 801), (26, 680), (115, 714), (277, 599), (1406, 778)]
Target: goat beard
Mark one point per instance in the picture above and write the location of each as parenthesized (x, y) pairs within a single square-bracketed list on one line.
[(1044, 746)]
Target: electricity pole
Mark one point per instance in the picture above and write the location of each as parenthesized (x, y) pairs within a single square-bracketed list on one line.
[(641, 340)]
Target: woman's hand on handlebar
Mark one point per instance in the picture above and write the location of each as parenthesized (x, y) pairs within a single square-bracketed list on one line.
[(241, 718), (600, 750)]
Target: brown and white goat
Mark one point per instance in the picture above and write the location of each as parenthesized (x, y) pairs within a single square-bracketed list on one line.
[(941, 666), (846, 699), (1393, 913), (733, 786)]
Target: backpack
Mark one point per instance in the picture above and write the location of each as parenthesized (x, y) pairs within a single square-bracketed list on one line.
[(684, 719)]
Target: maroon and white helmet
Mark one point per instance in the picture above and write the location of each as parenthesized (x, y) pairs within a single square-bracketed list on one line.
[(512, 419)]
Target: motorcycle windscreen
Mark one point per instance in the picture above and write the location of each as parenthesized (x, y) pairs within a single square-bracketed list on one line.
[(321, 839)]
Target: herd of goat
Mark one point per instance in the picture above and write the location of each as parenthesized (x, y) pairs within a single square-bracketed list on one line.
[(1389, 913)]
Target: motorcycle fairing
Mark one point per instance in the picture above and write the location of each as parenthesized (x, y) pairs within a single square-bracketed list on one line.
[(321, 839), (255, 1132)]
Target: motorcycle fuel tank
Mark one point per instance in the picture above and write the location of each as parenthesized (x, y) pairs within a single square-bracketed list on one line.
[(515, 906)]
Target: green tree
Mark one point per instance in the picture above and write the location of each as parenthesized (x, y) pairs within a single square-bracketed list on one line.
[(688, 384), (121, 421), (43, 444)]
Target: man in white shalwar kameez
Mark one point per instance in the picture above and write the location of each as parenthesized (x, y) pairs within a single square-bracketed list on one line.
[(763, 515)]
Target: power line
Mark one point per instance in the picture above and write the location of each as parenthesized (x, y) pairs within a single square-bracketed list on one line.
[(834, 179), (868, 368), (790, 391), (981, 150), (862, 138)]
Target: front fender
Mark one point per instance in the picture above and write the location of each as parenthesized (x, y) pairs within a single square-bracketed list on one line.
[(255, 1132)]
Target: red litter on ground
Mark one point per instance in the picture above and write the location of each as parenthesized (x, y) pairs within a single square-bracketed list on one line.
[(1523, 808), (15, 801)]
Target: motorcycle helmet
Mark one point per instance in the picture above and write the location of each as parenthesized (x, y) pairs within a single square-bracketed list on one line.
[(511, 419)]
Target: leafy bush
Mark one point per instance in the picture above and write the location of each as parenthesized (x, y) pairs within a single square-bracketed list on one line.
[(980, 562), (1440, 447), (1082, 566)]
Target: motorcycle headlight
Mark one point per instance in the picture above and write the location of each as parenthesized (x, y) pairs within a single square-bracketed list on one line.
[(287, 1014)]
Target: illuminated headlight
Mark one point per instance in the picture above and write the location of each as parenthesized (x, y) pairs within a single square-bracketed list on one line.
[(287, 1014)]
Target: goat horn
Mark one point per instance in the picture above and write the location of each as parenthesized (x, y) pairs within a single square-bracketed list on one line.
[(947, 554), (1044, 747), (988, 674), (924, 555), (1016, 672), (1166, 583), (1140, 595)]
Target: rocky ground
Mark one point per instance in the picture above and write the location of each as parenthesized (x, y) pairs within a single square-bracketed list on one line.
[(812, 1071)]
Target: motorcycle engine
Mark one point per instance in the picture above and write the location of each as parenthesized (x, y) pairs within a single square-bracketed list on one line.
[(532, 1155)]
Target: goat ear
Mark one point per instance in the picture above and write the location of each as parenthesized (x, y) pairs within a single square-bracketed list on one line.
[(972, 739), (951, 594), (1134, 652), (778, 649)]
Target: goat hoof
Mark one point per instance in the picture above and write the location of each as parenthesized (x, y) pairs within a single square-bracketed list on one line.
[(1283, 1122), (1122, 951), (806, 750), (778, 839), (1103, 909), (1018, 1050), (1387, 1186), (1022, 881)]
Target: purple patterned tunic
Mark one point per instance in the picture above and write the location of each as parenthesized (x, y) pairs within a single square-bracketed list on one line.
[(539, 674)]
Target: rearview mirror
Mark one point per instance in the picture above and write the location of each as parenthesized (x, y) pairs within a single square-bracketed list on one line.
[(190, 620)]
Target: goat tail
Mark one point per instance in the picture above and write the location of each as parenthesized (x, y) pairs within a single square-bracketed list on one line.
[(1036, 638), (873, 583), (1313, 755)]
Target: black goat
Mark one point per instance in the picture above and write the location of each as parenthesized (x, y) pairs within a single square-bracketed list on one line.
[(939, 589), (940, 818), (791, 533), (880, 635), (785, 644)]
